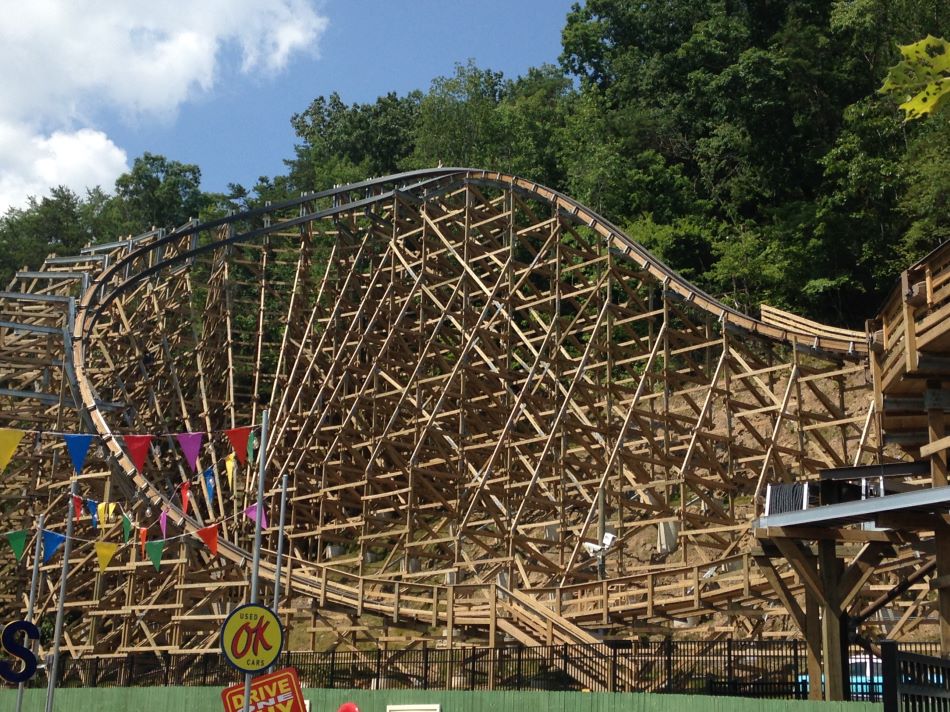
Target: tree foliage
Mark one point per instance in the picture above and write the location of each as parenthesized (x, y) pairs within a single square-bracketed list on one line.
[(745, 142)]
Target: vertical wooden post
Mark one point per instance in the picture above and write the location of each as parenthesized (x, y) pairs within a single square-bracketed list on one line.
[(830, 567), (813, 646)]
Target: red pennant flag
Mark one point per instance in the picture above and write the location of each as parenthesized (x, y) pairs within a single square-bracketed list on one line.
[(77, 506), (185, 486), (143, 536), (138, 445), (238, 438), (209, 535)]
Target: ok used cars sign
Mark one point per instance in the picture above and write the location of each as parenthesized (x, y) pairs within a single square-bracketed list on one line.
[(278, 691)]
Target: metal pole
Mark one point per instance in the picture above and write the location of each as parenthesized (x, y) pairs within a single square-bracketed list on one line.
[(34, 582), (60, 609), (280, 542), (255, 568), (280, 547)]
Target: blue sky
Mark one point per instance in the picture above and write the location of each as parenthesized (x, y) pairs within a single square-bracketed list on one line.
[(216, 82)]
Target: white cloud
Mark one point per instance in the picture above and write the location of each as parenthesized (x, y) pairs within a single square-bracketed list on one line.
[(30, 164), (67, 60)]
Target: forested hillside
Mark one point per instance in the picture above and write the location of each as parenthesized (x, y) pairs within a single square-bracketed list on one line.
[(746, 143)]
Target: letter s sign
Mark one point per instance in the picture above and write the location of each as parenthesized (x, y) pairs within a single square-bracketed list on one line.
[(20, 650)]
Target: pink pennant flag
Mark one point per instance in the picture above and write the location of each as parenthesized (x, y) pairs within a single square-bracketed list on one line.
[(185, 487), (191, 445), (163, 521), (252, 511)]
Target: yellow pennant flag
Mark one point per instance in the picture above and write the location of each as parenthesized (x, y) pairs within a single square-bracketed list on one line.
[(102, 513), (105, 551), (111, 510), (9, 439), (229, 467)]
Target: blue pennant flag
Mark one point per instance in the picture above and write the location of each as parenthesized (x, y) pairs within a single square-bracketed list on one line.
[(78, 446), (209, 483), (93, 507), (51, 542)]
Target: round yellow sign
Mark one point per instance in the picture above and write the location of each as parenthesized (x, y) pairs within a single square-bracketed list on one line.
[(251, 638)]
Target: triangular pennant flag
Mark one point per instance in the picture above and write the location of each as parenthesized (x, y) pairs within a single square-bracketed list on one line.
[(51, 542), (77, 506), (239, 441), (102, 512), (229, 467), (78, 447), (252, 513), (111, 511), (138, 445), (185, 488), (163, 521), (126, 529), (191, 445), (105, 551), (143, 536), (209, 483), (17, 542), (9, 439), (209, 535), (155, 549), (93, 507), (251, 444)]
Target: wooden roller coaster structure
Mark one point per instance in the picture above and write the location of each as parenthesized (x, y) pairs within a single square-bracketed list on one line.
[(502, 419)]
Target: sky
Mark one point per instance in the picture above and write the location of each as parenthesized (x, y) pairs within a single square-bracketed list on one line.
[(88, 86)]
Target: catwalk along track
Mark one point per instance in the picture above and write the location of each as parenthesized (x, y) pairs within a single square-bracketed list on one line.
[(501, 418)]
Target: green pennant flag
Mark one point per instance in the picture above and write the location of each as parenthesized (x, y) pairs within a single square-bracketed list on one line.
[(126, 529), (251, 444), (154, 549), (17, 542)]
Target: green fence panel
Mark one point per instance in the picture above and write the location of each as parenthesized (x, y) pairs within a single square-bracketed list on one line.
[(208, 699)]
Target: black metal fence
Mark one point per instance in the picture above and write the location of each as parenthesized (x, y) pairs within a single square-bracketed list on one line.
[(747, 668), (914, 682)]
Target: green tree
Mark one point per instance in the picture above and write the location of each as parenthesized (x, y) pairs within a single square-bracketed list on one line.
[(158, 192)]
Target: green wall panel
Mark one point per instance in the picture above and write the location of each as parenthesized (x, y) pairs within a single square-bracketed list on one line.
[(208, 699)]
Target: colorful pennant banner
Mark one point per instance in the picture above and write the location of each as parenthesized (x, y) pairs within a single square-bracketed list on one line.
[(154, 549), (209, 535), (190, 446), (239, 438), (185, 488), (252, 513), (138, 445), (104, 552), (229, 467), (9, 440), (17, 541), (78, 448), (93, 507), (51, 542), (209, 483)]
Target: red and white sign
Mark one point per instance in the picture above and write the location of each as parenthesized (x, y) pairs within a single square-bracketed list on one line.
[(278, 691)]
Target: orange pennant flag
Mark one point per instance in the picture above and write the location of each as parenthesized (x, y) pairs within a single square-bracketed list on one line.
[(9, 439), (143, 536), (209, 535)]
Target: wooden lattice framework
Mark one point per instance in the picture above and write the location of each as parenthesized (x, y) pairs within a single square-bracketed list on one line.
[(471, 380)]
